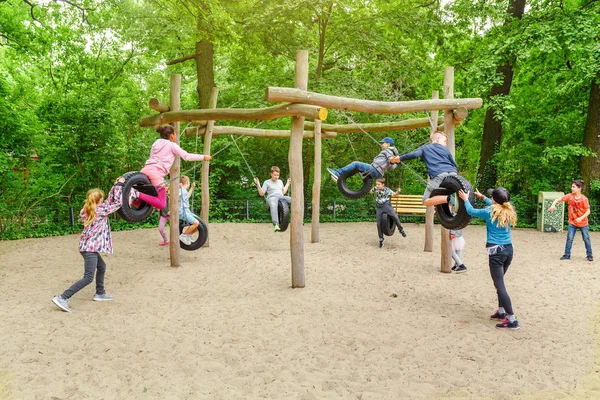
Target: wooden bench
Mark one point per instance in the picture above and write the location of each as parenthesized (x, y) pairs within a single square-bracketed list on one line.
[(408, 204)]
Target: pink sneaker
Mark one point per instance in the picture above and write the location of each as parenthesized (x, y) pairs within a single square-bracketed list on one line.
[(164, 244)]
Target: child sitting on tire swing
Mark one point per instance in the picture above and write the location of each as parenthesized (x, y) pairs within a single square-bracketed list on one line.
[(381, 163), (184, 210), (275, 190), (439, 163)]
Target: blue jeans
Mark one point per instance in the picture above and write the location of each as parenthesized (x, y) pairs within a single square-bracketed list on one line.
[(361, 166), (585, 233)]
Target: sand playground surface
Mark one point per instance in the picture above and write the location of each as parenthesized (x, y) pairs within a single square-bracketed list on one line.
[(370, 324)]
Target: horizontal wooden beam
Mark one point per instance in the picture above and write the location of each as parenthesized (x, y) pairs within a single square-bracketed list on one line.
[(375, 127), (158, 105), (219, 114), (261, 133), (369, 106)]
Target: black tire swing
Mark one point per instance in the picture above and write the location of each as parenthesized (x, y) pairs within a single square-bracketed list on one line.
[(387, 224), (199, 237), (367, 184), (455, 217), (283, 211), (140, 182)]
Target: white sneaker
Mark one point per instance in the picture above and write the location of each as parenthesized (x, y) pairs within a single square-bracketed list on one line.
[(133, 196), (61, 303), (183, 238), (103, 297)]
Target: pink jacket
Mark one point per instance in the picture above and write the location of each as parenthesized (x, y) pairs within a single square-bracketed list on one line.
[(163, 154)]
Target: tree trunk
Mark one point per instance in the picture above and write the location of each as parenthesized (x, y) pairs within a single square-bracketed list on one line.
[(487, 173), (590, 166), (323, 22), (204, 71)]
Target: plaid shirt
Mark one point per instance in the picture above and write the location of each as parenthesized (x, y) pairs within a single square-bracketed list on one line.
[(96, 236), (382, 196)]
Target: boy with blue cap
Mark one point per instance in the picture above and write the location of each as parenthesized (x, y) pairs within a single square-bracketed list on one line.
[(377, 168)]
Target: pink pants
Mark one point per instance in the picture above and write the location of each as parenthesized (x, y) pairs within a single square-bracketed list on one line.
[(157, 179), (161, 227)]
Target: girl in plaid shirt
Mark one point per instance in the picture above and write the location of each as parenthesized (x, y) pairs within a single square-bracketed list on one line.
[(95, 239)]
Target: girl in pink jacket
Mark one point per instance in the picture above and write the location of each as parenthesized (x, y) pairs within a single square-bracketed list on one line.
[(162, 155)]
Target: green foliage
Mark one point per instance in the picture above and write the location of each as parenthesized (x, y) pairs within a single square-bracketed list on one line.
[(75, 81)]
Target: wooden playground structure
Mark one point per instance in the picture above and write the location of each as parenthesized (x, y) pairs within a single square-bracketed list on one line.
[(301, 104)]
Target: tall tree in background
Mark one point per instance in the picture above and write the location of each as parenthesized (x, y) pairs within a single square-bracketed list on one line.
[(590, 166), (492, 128)]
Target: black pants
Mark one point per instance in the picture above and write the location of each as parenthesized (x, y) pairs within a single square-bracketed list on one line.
[(500, 258), (387, 208), (93, 264)]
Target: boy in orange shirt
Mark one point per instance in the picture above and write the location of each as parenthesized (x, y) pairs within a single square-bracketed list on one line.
[(579, 209)]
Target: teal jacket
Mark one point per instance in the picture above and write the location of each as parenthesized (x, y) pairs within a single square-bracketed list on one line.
[(495, 233)]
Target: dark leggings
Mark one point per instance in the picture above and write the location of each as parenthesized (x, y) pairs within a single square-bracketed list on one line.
[(93, 264), (500, 258), (387, 209)]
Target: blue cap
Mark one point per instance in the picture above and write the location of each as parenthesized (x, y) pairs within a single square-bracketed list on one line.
[(387, 140)]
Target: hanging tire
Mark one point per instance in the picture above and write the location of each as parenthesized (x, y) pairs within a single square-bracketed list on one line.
[(354, 194), (453, 217), (387, 225), (131, 213), (283, 211), (199, 237)]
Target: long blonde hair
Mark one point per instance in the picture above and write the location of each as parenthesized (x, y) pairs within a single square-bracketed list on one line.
[(89, 207), (505, 214)]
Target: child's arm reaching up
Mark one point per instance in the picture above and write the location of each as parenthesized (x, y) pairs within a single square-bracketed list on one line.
[(261, 192)]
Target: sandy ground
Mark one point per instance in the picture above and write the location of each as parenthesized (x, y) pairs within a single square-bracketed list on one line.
[(227, 324)]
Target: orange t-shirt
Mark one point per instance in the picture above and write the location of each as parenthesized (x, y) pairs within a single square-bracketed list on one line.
[(577, 207)]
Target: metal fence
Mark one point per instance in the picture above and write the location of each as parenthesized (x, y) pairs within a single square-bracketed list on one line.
[(43, 221)]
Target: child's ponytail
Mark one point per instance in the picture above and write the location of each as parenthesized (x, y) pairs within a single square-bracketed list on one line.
[(89, 208), (505, 214)]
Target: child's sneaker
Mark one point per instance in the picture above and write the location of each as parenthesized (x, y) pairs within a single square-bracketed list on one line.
[(460, 268), (185, 239), (276, 228), (589, 258), (565, 258), (163, 243), (508, 325), (403, 233), (61, 303), (380, 243), (498, 316), (103, 297), (133, 196), (334, 175)]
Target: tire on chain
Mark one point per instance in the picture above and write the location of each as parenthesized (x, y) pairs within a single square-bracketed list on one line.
[(283, 211), (202, 235), (354, 194), (387, 224), (127, 212), (458, 218)]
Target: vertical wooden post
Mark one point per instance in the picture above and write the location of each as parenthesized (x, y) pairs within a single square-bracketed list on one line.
[(316, 191), (206, 164), (295, 162), (175, 104), (446, 258), (429, 214)]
